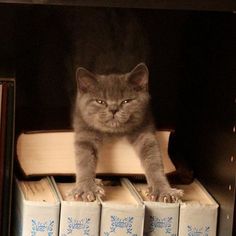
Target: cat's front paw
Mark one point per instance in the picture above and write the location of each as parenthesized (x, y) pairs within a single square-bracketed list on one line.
[(87, 190), (167, 195), (170, 195)]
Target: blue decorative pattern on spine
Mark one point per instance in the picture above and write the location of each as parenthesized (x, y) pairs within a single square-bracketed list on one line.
[(39, 227), (82, 225), (125, 224), (194, 231), (161, 223)]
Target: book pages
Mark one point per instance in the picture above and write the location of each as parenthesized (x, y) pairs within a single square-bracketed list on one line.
[(52, 153), (39, 191)]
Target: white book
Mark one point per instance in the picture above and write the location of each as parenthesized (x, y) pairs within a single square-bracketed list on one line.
[(198, 211), (37, 208), (77, 218), (122, 212), (161, 219)]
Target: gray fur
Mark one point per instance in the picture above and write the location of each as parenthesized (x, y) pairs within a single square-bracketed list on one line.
[(116, 105)]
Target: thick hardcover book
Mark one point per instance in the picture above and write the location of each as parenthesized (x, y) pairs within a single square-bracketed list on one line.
[(161, 219), (77, 218), (37, 208), (122, 211), (198, 211), (52, 153), (6, 152)]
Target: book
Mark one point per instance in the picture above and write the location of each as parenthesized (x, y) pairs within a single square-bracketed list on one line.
[(161, 219), (122, 211), (6, 152), (198, 211), (37, 208), (76, 217), (52, 153)]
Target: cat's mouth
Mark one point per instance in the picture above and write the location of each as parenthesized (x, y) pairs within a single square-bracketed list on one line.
[(113, 122)]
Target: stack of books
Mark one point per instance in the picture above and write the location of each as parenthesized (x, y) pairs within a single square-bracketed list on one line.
[(7, 111), (44, 207)]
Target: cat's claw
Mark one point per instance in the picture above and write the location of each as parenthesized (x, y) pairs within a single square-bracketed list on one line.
[(87, 191), (171, 195)]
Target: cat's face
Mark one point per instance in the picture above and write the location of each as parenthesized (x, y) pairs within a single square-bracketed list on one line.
[(113, 103)]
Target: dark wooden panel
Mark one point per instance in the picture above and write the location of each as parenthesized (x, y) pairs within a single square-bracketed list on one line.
[(215, 5), (205, 132)]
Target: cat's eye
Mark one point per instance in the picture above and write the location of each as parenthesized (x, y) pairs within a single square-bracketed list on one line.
[(100, 102), (126, 101)]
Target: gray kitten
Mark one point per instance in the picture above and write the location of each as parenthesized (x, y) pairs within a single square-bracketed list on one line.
[(114, 105)]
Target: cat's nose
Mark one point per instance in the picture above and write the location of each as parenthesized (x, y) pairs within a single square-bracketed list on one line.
[(113, 111)]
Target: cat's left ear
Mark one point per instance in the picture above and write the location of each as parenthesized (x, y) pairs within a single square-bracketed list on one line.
[(138, 77), (86, 80)]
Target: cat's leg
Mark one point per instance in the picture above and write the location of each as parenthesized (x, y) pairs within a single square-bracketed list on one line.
[(86, 149), (149, 152)]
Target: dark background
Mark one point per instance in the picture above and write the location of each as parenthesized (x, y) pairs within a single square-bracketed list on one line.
[(192, 84)]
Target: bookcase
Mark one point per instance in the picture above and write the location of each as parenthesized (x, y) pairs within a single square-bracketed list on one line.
[(192, 67)]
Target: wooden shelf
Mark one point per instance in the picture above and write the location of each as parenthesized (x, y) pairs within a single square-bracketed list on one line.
[(199, 5)]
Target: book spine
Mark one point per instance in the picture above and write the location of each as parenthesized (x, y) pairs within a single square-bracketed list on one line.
[(161, 219), (35, 218), (198, 219), (122, 220), (40, 219), (17, 216), (79, 219)]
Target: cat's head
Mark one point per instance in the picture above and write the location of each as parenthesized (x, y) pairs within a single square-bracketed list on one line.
[(114, 103)]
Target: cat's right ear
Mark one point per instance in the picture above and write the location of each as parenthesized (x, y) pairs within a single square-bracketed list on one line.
[(138, 77), (86, 81)]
